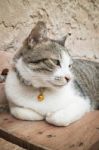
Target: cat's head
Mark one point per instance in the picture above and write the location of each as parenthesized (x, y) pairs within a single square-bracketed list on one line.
[(43, 61)]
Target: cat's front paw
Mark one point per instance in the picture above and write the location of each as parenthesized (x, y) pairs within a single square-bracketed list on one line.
[(64, 117), (57, 118)]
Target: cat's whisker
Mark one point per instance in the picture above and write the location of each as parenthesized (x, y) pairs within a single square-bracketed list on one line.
[(54, 77)]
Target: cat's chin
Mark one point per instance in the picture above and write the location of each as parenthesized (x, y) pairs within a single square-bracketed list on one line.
[(57, 85), (38, 85), (49, 86)]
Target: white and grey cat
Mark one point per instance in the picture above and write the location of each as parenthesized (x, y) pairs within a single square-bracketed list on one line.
[(44, 64)]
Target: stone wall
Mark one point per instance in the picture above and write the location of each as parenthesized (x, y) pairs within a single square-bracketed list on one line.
[(79, 18)]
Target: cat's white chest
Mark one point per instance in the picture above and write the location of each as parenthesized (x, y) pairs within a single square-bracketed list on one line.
[(26, 96)]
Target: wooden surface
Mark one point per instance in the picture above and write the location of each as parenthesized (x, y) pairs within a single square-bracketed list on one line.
[(5, 145), (82, 135)]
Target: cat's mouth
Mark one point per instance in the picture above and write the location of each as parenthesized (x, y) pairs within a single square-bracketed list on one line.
[(57, 85), (59, 81)]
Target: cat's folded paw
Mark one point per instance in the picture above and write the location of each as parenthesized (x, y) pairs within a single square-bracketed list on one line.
[(25, 114), (57, 118)]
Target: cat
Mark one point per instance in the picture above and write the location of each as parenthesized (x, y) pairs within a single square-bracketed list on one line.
[(41, 84)]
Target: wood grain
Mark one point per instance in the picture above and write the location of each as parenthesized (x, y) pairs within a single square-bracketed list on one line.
[(5, 145), (81, 135)]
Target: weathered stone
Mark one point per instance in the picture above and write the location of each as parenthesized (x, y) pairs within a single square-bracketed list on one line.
[(80, 18)]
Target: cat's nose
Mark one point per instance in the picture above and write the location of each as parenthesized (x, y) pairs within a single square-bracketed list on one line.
[(67, 79)]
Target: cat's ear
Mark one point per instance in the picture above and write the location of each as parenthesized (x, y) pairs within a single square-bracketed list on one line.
[(38, 33), (61, 41)]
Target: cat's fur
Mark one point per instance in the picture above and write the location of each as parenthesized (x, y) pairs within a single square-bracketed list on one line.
[(44, 63)]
